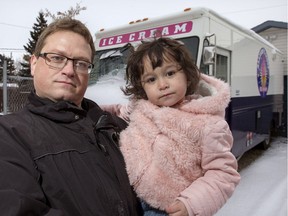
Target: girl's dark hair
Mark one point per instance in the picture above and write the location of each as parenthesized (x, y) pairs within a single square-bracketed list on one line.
[(159, 50)]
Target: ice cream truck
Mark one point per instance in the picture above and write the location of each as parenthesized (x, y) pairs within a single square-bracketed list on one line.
[(251, 65)]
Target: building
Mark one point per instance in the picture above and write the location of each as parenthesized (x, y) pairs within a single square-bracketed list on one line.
[(276, 33)]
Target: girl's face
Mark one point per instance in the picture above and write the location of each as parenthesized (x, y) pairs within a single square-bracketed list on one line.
[(165, 85)]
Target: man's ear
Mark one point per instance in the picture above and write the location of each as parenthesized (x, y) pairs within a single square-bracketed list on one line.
[(33, 61)]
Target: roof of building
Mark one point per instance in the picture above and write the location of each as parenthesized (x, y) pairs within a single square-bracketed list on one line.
[(270, 24)]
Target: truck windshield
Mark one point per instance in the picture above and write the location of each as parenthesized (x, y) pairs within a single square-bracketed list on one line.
[(113, 61), (192, 43), (109, 62)]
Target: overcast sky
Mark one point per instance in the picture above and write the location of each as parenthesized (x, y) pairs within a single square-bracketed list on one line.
[(17, 17)]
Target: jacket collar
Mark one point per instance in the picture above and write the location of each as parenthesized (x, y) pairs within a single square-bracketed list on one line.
[(62, 111)]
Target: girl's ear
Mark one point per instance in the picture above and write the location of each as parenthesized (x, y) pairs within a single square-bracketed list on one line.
[(189, 83), (188, 91)]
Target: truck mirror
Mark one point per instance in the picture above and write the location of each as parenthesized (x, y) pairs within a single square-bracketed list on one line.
[(209, 55)]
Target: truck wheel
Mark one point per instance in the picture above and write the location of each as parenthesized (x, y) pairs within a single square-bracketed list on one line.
[(267, 142)]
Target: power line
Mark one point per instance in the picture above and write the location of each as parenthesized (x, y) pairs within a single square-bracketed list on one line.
[(15, 49), (12, 50), (12, 25), (254, 9)]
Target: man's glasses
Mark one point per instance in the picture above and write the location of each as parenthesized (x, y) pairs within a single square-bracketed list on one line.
[(58, 61)]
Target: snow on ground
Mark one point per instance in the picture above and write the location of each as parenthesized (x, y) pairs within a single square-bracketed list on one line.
[(262, 190), (107, 89)]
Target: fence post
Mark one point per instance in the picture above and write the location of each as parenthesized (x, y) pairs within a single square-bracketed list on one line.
[(5, 104)]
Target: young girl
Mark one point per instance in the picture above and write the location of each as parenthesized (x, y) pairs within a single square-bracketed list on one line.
[(177, 145)]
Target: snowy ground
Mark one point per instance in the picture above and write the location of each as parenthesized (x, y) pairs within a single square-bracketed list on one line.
[(107, 89), (263, 187)]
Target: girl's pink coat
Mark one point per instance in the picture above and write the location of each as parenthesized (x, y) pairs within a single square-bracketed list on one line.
[(182, 153)]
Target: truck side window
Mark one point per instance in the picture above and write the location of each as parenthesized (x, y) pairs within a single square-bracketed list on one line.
[(222, 67)]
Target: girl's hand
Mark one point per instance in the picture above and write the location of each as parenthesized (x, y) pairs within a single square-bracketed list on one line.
[(177, 209)]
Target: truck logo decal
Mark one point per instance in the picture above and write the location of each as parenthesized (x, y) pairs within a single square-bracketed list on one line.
[(263, 72), (173, 29)]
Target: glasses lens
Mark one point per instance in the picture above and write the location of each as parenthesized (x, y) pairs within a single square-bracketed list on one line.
[(82, 66), (55, 60)]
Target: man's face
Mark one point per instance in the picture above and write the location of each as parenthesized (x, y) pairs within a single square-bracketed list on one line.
[(62, 84)]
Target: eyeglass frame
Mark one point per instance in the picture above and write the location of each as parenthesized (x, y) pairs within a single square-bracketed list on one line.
[(44, 56)]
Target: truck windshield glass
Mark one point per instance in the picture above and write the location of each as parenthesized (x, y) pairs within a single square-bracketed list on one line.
[(110, 61), (192, 43), (113, 61)]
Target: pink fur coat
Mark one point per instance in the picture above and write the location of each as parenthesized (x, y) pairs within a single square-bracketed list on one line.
[(182, 153)]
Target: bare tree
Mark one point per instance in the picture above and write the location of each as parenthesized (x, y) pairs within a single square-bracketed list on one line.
[(71, 12)]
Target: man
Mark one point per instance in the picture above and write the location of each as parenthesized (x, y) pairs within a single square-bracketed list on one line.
[(59, 155)]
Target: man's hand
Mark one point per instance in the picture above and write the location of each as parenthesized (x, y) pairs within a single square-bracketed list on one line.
[(177, 209)]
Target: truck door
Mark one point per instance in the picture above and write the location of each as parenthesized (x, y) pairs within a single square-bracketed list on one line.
[(223, 72)]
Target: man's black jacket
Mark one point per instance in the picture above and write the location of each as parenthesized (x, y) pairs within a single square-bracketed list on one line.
[(57, 159)]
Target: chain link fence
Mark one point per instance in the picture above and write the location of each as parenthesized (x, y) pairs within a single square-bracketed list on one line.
[(18, 89)]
